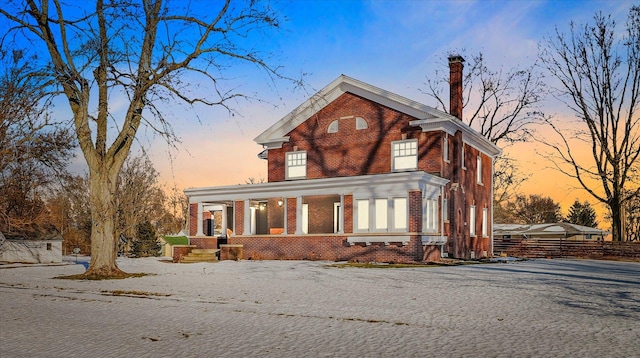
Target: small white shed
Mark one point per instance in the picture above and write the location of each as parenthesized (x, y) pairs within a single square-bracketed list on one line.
[(46, 249)]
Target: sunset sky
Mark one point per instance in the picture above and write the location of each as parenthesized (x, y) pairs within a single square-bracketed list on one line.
[(393, 45)]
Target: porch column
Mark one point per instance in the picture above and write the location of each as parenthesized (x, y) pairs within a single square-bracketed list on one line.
[(341, 215), (247, 218), (224, 220), (299, 215), (200, 231), (284, 224)]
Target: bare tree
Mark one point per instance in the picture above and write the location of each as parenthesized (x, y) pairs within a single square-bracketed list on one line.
[(34, 149), (532, 209), (502, 105), (599, 81), (146, 51)]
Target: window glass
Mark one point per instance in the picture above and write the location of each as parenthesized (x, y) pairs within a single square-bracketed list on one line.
[(362, 206), (333, 127), (405, 155), (472, 220), (445, 147), (381, 214), (361, 123), (485, 219), (400, 213), (479, 169), (296, 165)]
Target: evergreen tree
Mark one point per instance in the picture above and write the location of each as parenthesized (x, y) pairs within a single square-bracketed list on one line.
[(145, 243), (582, 214)]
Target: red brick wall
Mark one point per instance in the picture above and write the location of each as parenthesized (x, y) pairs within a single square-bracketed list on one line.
[(348, 214), (239, 219), (330, 247), (179, 251), (349, 151), (193, 219), (291, 215), (321, 213), (204, 242)]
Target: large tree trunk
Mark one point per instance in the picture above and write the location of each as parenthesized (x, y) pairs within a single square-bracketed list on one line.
[(104, 243), (616, 220)]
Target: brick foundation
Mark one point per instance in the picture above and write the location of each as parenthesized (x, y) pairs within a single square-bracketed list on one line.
[(330, 248)]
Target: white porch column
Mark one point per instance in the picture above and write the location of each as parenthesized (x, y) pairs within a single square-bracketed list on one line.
[(247, 218), (284, 206), (341, 215), (299, 216), (224, 220), (199, 231)]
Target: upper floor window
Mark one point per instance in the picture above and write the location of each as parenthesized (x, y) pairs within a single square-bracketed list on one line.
[(296, 165), (333, 127), (404, 155), (361, 123), (462, 159), (445, 147), (479, 169)]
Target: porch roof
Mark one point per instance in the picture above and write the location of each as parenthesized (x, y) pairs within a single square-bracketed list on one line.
[(376, 185)]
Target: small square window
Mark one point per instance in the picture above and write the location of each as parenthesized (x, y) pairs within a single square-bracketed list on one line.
[(296, 165), (404, 155)]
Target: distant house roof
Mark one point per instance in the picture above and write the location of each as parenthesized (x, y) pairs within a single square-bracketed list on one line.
[(34, 232), (176, 240), (551, 229), (427, 117)]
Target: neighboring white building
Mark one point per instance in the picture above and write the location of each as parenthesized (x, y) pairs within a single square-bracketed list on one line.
[(41, 250), (558, 231)]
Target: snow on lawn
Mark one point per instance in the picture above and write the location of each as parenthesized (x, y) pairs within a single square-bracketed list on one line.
[(570, 308)]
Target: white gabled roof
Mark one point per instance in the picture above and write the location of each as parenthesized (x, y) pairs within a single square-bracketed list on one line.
[(428, 118)]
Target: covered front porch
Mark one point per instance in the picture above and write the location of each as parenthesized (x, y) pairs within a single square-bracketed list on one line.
[(387, 217)]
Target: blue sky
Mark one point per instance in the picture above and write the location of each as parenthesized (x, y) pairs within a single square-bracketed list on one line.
[(394, 45)]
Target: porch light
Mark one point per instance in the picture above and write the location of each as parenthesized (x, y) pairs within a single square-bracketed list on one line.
[(280, 202)]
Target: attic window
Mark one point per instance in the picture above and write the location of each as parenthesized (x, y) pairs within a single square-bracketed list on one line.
[(361, 123), (333, 127)]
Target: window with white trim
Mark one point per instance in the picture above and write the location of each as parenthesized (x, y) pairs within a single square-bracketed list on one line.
[(361, 123), (400, 213), (333, 127), (445, 148), (479, 169), (430, 215), (462, 163), (296, 165), (404, 155), (485, 222), (381, 214), (362, 207), (472, 220)]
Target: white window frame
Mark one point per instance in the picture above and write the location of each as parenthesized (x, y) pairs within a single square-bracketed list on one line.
[(445, 148), (479, 169), (472, 220), (400, 214), (485, 222), (399, 155), (295, 161)]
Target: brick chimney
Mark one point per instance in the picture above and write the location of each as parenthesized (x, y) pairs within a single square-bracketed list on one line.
[(455, 85)]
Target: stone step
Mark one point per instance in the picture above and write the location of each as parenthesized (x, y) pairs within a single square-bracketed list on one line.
[(204, 251), (199, 258)]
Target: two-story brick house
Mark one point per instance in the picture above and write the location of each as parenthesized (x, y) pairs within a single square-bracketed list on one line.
[(360, 173)]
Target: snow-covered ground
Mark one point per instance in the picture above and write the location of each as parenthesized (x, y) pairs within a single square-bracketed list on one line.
[(541, 308)]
